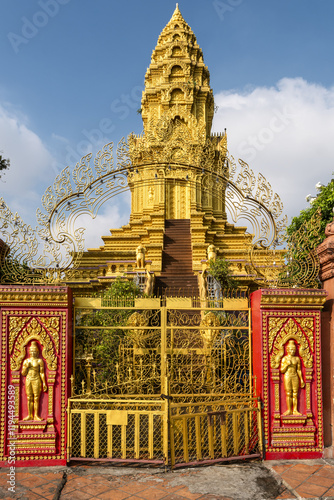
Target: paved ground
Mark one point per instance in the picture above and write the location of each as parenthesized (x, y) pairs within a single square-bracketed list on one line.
[(244, 481)]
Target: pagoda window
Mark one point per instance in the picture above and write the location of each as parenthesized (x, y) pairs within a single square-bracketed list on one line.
[(176, 70), (177, 95), (176, 73)]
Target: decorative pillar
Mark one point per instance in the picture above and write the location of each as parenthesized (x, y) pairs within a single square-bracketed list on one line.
[(36, 363), (326, 257), (287, 366)]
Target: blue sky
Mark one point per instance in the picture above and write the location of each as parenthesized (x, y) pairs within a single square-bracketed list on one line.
[(69, 66)]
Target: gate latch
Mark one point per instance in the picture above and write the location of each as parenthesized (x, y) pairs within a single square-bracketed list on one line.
[(165, 396)]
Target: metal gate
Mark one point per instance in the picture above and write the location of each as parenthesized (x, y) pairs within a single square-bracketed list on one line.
[(162, 381)]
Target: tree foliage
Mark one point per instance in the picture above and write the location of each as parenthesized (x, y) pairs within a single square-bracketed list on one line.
[(220, 270), (325, 202), (103, 341), (4, 163), (121, 289)]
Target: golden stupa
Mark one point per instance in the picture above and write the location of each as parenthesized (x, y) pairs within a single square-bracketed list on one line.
[(177, 188)]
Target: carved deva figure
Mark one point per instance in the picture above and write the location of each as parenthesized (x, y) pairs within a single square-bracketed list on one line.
[(291, 367), (149, 286), (33, 370), (140, 256)]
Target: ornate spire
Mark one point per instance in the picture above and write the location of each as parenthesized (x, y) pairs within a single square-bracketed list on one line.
[(177, 16), (177, 83)]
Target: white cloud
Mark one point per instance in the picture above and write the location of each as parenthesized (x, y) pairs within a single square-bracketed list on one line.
[(33, 169), (30, 164), (113, 215), (285, 132)]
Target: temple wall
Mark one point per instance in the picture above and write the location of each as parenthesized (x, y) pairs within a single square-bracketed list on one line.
[(36, 365), (326, 256), (287, 364)]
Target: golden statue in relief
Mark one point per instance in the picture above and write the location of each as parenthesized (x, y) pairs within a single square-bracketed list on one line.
[(149, 285), (212, 252), (33, 370), (140, 256), (293, 378)]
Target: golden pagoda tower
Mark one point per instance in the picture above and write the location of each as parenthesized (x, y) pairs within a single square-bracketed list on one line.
[(176, 179)]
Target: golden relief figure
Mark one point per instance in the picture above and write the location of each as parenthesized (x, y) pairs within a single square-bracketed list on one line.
[(149, 285), (140, 256), (293, 378), (212, 252), (33, 370)]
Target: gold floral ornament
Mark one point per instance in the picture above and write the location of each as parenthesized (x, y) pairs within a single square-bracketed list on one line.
[(72, 194), (135, 321), (15, 326), (33, 331), (292, 331), (302, 261)]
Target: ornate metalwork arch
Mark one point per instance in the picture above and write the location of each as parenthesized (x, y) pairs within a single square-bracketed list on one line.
[(86, 189)]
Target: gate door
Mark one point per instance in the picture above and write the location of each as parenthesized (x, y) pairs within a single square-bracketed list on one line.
[(163, 382), (118, 430), (213, 432)]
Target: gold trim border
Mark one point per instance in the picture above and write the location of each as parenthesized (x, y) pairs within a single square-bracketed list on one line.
[(62, 372), (293, 299), (266, 382)]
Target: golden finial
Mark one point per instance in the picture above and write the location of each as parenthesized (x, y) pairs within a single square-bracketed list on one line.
[(177, 12)]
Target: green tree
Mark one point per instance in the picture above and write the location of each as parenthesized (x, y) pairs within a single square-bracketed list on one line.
[(122, 289), (103, 342), (220, 270), (324, 202)]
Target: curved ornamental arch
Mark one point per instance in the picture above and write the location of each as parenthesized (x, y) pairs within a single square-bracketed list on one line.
[(51, 252)]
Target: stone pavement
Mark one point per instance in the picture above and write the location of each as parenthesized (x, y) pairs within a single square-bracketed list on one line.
[(239, 481)]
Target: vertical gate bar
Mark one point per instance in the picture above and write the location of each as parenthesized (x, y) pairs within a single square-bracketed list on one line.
[(185, 439), (123, 441), (69, 432), (246, 431), (96, 434), (83, 434), (150, 436), (172, 442), (198, 437), (73, 346), (235, 433), (210, 436), (137, 427), (109, 445), (166, 430), (223, 437), (164, 385)]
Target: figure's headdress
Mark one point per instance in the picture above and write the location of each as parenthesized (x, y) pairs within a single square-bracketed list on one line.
[(34, 344)]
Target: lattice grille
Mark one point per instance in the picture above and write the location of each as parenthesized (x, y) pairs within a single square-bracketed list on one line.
[(120, 352), (214, 432), (135, 433)]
